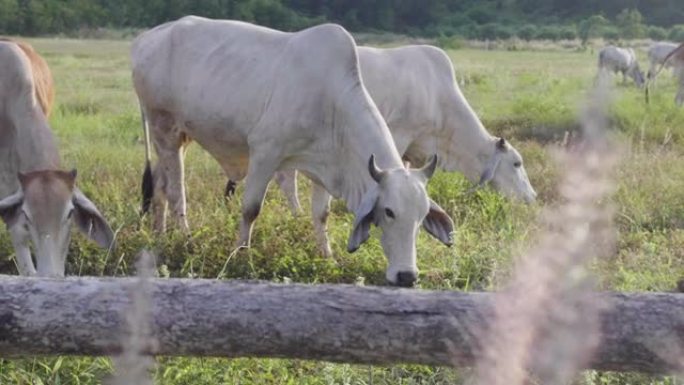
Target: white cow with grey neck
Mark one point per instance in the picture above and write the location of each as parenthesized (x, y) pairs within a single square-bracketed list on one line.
[(657, 53), (415, 90), (38, 202), (261, 100), (623, 60)]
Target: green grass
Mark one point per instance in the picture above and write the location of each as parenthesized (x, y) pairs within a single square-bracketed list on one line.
[(530, 97)]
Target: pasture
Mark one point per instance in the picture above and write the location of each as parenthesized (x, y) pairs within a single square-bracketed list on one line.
[(530, 97)]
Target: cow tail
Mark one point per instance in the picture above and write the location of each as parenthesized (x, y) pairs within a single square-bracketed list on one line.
[(147, 179)]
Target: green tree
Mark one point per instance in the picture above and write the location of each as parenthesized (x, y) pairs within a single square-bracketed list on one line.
[(527, 32), (9, 17), (630, 24), (591, 27)]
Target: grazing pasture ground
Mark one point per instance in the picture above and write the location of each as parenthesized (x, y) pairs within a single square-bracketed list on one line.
[(530, 97)]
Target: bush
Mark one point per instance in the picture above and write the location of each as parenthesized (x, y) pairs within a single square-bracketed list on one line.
[(549, 32), (657, 33), (527, 32), (676, 33), (450, 42), (568, 33)]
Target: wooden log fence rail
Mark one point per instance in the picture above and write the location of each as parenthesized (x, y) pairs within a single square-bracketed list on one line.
[(339, 323)]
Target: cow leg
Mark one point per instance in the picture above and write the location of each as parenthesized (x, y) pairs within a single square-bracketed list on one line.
[(287, 181), (169, 143), (259, 174), (159, 202), (23, 254), (320, 209)]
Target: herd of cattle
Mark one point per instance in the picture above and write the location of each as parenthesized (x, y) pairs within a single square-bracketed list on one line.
[(660, 55), (265, 103)]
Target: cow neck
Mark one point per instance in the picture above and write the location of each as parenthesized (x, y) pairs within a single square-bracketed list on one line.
[(464, 144), (362, 133), (35, 143)]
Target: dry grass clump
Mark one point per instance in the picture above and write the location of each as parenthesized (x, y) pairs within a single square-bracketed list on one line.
[(133, 366), (545, 320)]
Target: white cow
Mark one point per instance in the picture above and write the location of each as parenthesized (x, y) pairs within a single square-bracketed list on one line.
[(676, 60), (261, 100), (415, 90), (623, 60), (38, 202), (657, 53)]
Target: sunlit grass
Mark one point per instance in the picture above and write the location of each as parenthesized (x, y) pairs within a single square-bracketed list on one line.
[(531, 97)]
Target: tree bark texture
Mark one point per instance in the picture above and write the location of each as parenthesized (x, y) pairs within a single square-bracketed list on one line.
[(340, 323)]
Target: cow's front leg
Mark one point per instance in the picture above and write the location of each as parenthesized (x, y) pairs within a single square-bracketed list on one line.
[(259, 174), (680, 91), (287, 181), (20, 241), (320, 209)]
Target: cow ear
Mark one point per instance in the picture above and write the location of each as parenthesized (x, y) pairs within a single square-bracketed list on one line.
[(89, 220), (363, 218), (501, 144), (439, 224), (10, 207)]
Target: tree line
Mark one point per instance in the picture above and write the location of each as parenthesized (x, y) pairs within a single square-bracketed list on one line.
[(479, 19)]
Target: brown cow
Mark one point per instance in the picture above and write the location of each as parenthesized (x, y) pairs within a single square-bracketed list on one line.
[(38, 202)]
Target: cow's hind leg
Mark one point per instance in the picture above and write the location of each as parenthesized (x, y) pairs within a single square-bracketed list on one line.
[(261, 168), (169, 142), (320, 209), (287, 181)]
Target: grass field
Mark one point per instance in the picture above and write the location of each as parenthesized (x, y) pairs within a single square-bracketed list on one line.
[(530, 97)]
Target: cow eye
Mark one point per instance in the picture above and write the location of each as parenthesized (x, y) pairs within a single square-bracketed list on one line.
[(389, 212), (517, 164)]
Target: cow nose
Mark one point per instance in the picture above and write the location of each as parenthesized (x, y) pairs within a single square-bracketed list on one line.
[(406, 278)]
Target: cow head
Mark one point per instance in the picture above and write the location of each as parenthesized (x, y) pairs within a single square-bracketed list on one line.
[(506, 172), (638, 76), (43, 210), (398, 203)]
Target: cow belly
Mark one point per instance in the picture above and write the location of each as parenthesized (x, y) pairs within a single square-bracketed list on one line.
[(228, 147)]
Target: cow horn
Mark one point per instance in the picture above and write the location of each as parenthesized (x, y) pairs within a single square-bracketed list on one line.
[(376, 173)]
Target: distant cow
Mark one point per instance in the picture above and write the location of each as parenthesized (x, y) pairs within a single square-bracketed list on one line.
[(657, 53), (676, 60), (38, 202), (261, 100), (622, 60), (415, 90)]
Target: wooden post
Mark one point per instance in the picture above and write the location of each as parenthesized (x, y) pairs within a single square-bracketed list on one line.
[(341, 323)]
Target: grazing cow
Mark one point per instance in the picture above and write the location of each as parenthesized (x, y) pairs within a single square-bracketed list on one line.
[(676, 60), (657, 53), (615, 59), (38, 202), (261, 100), (415, 90)]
